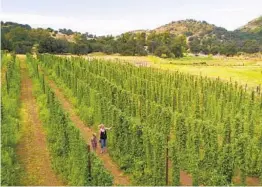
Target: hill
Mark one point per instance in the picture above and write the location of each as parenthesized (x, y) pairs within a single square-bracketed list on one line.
[(187, 27), (254, 26), (203, 30), (208, 38), (170, 40)]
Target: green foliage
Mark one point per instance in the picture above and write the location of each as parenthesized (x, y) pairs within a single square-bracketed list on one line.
[(166, 42), (68, 149), (87, 114), (175, 167), (10, 90), (166, 45), (162, 51), (251, 46), (145, 105)]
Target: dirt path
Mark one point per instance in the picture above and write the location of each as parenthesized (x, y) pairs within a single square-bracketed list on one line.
[(119, 177), (32, 149)]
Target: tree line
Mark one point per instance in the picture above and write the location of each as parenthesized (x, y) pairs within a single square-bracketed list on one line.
[(24, 39)]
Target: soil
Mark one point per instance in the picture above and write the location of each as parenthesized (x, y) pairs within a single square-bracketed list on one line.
[(250, 181), (32, 149), (185, 179)]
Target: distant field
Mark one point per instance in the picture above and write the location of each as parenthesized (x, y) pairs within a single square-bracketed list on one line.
[(241, 69)]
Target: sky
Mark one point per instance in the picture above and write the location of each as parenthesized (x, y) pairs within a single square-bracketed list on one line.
[(103, 17)]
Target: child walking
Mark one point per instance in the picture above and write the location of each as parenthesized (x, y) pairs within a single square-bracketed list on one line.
[(94, 142)]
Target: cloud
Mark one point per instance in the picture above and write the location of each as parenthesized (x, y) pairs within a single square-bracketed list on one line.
[(94, 26)]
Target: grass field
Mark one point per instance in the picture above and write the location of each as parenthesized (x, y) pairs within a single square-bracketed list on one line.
[(243, 69), (252, 76)]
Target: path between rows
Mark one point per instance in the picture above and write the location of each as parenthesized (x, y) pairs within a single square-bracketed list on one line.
[(86, 132), (119, 177), (32, 149)]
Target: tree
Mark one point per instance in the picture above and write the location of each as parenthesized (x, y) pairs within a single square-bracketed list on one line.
[(61, 46), (152, 42), (162, 51), (47, 45), (194, 45), (251, 46), (178, 47), (66, 31), (22, 47), (229, 48), (80, 49), (5, 43)]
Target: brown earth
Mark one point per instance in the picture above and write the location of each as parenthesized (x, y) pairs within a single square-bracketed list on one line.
[(32, 149), (185, 179), (250, 181), (119, 177)]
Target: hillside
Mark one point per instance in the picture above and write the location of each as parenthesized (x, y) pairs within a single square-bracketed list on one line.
[(59, 35), (170, 40), (187, 27), (208, 38), (204, 30), (254, 26)]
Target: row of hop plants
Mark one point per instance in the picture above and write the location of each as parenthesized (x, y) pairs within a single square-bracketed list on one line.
[(71, 158), (126, 143), (211, 106), (10, 126)]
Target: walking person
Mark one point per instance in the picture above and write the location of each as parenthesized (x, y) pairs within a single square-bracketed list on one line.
[(103, 137), (94, 142)]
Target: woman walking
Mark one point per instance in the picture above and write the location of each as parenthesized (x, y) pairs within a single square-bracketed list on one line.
[(103, 137)]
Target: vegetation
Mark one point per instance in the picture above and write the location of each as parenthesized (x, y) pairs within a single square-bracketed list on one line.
[(10, 103), (214, 127), (210, 39), (68, 150), (254, 26), (171, 40)]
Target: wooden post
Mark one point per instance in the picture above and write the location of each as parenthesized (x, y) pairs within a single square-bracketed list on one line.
[(6, 80), (89, 162), (37, 70), (167, 160), (44, 83), (258, 89)]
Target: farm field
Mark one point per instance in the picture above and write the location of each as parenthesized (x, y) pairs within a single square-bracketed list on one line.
[(51, 153), (142, 104), (131, 93), (243, 69), (168, 127)]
